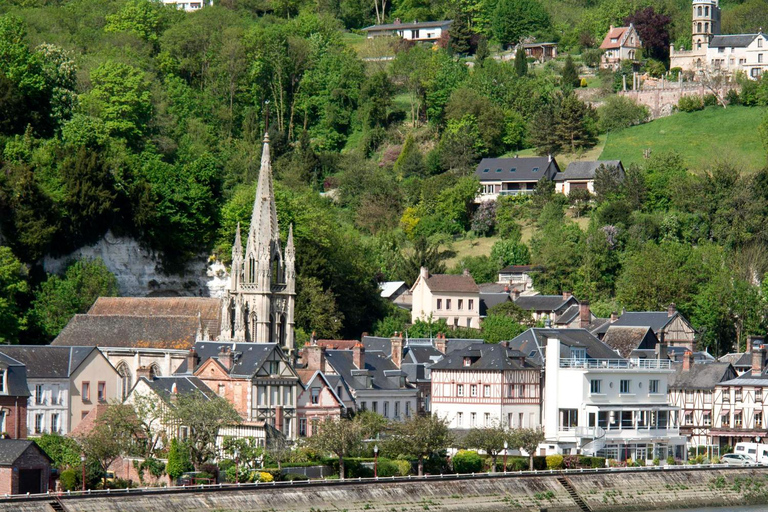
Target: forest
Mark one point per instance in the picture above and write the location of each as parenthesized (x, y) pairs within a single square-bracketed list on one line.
[(134, 117)]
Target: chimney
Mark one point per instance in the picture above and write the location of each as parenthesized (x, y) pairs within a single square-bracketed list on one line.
[(515, 294), (358, 356), (144, 372), (661, 348), (313, 338), (424, 273), (687, 360), (397, 21), (614, 316), (506, 288), (315, 358), (567, 295), (440, 343), (174, 392), (397, 349), (585, 315), (279, 418), (191, 360), (466, 272), (750, 343), (226, 358), (611, 29), (671, 310), (549, 158), (758, 361)]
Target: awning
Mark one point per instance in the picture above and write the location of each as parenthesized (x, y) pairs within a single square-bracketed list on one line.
[(725, 412)]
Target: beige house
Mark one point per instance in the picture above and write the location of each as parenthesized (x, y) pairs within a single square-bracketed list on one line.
[(620, 43), (455, 298)]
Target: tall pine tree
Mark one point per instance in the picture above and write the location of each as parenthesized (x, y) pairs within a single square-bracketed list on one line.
[(570, 75), (521, 62)]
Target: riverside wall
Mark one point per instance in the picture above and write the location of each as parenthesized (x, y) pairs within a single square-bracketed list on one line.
[(614, 491)]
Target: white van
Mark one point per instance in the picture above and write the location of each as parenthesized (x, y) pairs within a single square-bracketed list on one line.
[(756, 451)]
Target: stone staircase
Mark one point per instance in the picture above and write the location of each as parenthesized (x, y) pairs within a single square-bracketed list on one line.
[(574, 495), (57, 506)]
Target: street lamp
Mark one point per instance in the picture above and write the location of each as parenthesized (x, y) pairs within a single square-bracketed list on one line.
[(82, 459), (506, 445), (375, 461)]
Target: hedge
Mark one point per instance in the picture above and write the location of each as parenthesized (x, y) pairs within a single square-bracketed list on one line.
[(466, 461), (555, 462)]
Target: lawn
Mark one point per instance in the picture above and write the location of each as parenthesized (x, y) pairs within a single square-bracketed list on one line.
[(564, 159), (701, 138)]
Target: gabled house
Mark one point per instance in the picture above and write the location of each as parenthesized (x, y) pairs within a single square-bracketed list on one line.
[(64, 384), (257, 378), (668, 326), (626, 340), (484, 385), (416, 31), (455, 298), (24, 468), (620, 43), (563, 311), (13, 398), (512, 176), (396, 292), (691, 388), (542, 52), (322, 397), (580, 175)]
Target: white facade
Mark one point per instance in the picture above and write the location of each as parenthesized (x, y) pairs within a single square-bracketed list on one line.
[(393, 404), (188, 5), (458, 308), (616, 408), (48, 406), (127, 361), (424, 31)]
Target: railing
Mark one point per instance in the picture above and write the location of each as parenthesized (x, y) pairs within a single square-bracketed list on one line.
[(616, 364), (520, 192), (139, 491)]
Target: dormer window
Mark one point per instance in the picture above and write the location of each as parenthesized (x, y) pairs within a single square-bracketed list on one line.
[(486, 170), (498, 170), (614, 39), (535, 169), (467, 361)]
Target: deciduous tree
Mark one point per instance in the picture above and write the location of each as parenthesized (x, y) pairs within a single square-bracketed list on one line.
[(421, 437)]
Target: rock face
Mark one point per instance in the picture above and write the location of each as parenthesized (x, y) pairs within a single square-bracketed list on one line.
[(139, 271)]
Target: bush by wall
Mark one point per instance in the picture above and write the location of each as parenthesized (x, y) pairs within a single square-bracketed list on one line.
[(68, 480), (690, 103), (555, 462), (466, 461)]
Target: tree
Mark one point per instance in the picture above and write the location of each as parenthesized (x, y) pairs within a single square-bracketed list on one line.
[(410, 162), (482, 51), (527, 439), (510, 252), (521, 62), (59, 299), (498, 328), (491, 440), (316, 309), (203, 415), (338, 436), (178, 459), (109, 438), (460, 34), (424, 254), (618, 112), (577, 124), (13, 285), (421, 437), (569, 77), (652, 27), (64, 451), (515, 19)]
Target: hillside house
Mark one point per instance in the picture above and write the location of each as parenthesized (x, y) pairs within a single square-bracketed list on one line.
[(415, 31), (620, 43), (517, 277), (580, 175), (670, 326), (455, 298), (512, 176), (542, 52)]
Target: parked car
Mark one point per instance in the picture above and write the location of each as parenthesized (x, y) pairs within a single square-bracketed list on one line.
[(737, 459)]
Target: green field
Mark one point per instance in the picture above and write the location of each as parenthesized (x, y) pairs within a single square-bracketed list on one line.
[(702, 138)]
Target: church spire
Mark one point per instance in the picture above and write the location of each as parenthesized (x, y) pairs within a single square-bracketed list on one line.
[(264, 227), (237, 248)]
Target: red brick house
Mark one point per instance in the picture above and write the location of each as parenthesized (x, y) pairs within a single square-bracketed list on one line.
[(14, 394), (24, 467)]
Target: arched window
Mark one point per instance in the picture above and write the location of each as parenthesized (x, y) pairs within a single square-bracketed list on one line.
[(698, 27), (706, 11), (706, 27), (246, 324), (698, 11), (698, 44), (154, 371), (126, 381)]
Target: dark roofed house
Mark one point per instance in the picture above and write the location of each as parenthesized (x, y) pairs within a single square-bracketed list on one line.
[(163, 332), (512, 176), (580, 175), (669, 326), (24, 467), (484, 385), (562, 311), (415, 31), (454, 298), (579, 343), (627, 339), (517, 277), (13, 397)]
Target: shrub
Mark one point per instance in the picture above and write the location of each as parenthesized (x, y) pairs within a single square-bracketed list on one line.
[(290, 477), (732, 97), (710, 100), (266, 477), (670, 461), (583, 82), (555, 462), (403, 467), (178, 460), (466, 461), (690, 103), (68, 479), (620, 112), (591, 57), (386, 467)]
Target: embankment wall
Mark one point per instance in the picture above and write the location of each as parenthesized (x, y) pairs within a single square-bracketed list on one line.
[(618, 491)]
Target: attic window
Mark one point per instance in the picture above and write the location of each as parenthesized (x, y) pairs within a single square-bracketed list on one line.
[(498, 170), (535, 169), (486, 170), (467, 361), (614, 39), (533, 353)]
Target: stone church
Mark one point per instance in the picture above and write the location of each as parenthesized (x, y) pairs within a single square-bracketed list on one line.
[(259, 304)]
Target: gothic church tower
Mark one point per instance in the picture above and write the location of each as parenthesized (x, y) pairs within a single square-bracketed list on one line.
[(259, 304)]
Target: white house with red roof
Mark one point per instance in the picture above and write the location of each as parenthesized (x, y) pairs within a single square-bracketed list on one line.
[(620, 43)]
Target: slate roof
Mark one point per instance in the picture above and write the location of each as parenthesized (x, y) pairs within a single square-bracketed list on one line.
[(375, 362), (517, 268), (543, 302), (16, 378), (626, 339), (533, 343), (448, 283), (209, 309), (46, 361), (488, 300), (12, 449), (488, 357), (677, 353), (185, 384), (656, 320), (700, 375), (732, 40), (568, 316), (390, 287), (585, 170), (738, 359), (529, 169), (249, 357), (407, 26), (382, 344), (164, 332)]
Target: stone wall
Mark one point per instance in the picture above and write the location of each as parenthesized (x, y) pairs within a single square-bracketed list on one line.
[(616, 492), (662, 101)]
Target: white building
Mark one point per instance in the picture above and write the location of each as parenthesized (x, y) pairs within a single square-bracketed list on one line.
[(609, 406), (416, 31), (455, 298), (512, 176), (484, 385), (188, 5)]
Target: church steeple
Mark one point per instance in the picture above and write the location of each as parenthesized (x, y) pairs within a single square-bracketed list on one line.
[(264, 228), (237, 260)]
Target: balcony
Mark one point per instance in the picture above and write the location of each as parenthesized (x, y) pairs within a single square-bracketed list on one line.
[(616, 364)]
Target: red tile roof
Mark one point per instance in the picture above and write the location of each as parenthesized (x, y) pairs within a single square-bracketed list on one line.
[(616, 33)]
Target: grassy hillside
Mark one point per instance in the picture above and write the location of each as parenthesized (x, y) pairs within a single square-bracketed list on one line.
[(702, 137)]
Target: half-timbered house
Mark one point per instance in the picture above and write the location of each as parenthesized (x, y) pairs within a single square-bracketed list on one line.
[(669, 325), (485, 385), (691, 388)]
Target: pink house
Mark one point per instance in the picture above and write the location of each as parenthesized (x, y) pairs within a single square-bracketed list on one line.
[(320, 399)]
